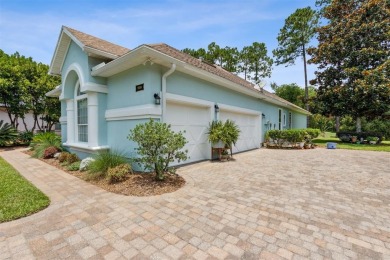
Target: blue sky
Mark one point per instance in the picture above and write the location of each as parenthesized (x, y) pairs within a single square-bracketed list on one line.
[(32, 27)]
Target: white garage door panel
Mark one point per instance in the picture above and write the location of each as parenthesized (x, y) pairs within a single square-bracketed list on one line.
[(194, 120), (250, 129)]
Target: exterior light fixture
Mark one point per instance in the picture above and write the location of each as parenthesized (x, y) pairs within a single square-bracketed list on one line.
[(157, 99), (216, 108), (262, 114)]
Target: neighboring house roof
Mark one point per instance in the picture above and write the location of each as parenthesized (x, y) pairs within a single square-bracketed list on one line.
[(120, 59)]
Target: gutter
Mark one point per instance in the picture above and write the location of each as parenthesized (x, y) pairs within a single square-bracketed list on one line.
[(164, 90)]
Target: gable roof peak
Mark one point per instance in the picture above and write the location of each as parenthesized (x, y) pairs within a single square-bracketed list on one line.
[(96, 43)]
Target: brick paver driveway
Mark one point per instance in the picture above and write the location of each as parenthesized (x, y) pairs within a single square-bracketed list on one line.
[(267, 204)]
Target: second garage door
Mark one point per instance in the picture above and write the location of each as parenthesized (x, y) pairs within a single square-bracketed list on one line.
[(194, 120), (249, 125)]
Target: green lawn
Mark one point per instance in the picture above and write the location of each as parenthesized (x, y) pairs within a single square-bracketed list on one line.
[(18, 197), (331, 137)]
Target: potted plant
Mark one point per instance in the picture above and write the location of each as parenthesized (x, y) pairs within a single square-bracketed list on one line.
[(225, 155), (231, 132), (215, 134), (354, 139), (372, 139)]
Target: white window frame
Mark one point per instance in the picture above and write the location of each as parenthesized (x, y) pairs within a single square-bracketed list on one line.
[(77, 98), (284, 119)]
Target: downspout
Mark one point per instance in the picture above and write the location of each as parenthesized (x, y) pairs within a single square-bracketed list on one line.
[(164, 90)]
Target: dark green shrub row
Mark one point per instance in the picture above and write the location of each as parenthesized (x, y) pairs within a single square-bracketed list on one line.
[(293, 135), (347, 136)]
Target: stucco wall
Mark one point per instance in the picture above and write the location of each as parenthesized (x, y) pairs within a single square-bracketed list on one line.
[(122, 92)]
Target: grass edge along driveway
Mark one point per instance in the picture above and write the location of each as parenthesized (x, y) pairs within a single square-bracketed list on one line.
[(331, 137), (18, 197)]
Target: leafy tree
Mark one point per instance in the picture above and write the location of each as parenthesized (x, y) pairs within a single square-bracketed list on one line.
[(321, 122), (290, 92), (12, 86), (158, 146), (23, 85), (251, 60), (260, 64), (353, 59), (293, 38)]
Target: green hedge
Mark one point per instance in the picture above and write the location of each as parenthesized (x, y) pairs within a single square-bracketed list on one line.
[(293, 136)]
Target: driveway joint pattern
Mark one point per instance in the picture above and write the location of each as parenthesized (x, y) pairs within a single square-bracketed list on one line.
[(265, 204)]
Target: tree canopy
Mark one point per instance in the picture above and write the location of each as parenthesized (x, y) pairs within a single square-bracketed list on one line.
[(252, 60), (353, 58), (293, 38), (23, 85)]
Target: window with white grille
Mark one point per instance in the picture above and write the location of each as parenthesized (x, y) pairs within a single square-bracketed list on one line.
[(82, 115)]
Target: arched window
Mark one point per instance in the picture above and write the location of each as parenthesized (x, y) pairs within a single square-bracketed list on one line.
[(81, 103)]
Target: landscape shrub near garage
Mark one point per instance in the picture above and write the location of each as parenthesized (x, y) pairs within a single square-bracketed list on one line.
[(158, 146), (291, 138)]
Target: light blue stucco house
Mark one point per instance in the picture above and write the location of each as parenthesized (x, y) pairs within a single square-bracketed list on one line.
[(107, 90)]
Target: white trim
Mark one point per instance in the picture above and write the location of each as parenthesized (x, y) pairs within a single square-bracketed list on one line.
[(135, 112), (284, 119), (72, 37), (55, 92), (188, 100), (85, 148), (100, 53), (58, 45), (76, 99), (93, 87), (63, 119), (134, 57), (79, 71), (93, 118), (70, 120), (238, 109)]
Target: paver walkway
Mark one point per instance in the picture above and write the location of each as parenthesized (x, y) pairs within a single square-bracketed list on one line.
[(267, 204)]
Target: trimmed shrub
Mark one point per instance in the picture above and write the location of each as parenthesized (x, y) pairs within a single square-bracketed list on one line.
[(50, 152), (103, 161), (118, 173), (63, 157), (73, 166), (158, 146), (314, 133), (290, 137)]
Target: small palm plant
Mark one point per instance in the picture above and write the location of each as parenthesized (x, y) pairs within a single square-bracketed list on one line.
[(42, 141), (7, 133)]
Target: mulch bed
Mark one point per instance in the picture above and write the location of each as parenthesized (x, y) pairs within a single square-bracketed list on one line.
[(137, 184)]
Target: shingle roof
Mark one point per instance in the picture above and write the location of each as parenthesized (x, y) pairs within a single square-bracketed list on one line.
[(214, 69), (97, 43)]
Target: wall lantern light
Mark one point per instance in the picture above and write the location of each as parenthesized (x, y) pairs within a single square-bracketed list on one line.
[(216, 108), (262, 114), (157, 99)]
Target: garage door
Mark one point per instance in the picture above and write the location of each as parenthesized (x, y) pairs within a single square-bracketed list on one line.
[(194, 120), (249, 125)]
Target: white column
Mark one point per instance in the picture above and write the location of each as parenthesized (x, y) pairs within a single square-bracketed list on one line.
[(93, 119), (70, 127)]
